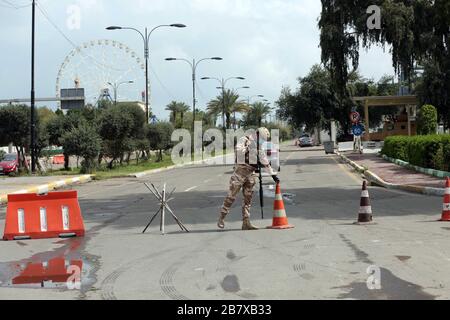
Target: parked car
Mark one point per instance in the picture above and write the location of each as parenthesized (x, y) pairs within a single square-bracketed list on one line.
[(9, 164), (305, 141)]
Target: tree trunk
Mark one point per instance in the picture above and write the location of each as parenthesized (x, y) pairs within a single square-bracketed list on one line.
[(100, 158), (110, 164), (128, 157), (228, 120), (21, 158), (66, 162)]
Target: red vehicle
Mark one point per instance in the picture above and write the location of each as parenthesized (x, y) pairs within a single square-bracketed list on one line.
[(9, 163)]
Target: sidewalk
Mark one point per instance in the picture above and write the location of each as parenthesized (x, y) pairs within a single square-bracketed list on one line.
[(393, 173)]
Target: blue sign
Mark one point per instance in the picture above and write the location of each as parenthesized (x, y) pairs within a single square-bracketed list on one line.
[(357, 130)]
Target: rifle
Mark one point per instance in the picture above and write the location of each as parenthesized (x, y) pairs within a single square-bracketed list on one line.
[(258, 163)]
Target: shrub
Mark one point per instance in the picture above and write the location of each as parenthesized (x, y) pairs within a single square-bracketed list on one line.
[(431, 151), (396, 147), (83, 142), (159, 137), (427, 120)]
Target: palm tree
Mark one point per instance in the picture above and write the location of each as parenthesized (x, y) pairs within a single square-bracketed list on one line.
[(258, 111), (173, 108), (182, 109), (176, 108), (226, 104)]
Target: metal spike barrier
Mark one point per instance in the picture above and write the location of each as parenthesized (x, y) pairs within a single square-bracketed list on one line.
[(164, 205)]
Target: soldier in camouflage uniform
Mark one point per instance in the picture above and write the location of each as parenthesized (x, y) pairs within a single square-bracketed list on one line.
[(244, 176)]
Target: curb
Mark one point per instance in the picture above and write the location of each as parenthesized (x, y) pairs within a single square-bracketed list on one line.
[(44, 188), (176, 166), (373, 178), (428, 171)]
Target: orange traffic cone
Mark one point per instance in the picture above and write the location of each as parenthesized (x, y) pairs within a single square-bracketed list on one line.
[(365, 209), (279, 220), (446, 206)]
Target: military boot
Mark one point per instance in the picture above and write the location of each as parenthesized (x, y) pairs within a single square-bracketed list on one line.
[(247, 225), (221, 222)]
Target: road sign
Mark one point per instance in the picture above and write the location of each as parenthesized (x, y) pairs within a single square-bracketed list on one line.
[(357, 130), (355, 117)]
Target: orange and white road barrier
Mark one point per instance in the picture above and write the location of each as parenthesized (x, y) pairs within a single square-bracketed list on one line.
[(279, 220), (57, 270), (365, 209), (446, 205), (33, 216), (58, 159)]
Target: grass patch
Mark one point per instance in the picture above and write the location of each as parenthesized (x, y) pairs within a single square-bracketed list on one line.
[(119, 170)]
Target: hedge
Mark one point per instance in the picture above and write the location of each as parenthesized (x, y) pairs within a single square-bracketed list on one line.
[(431, 151)]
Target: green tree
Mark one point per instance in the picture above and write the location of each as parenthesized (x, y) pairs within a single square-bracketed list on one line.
[(83, 141), (258, 111), (115, 129), (427, 120), (57, 126), (227, 103), (182, 109), (417, 32), (159, 136), (15, 128), (177, 108), (173, 108), (313, 104), (137, 133)]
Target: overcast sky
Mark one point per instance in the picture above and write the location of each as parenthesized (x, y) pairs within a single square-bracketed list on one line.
[(269, 42)]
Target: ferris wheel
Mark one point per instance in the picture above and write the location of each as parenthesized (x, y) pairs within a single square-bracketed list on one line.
[(98, 66)]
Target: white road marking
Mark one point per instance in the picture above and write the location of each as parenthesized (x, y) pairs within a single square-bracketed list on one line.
[(191, 188), (207, 180)]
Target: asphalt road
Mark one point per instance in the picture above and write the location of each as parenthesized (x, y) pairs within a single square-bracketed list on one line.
[(324, 257)]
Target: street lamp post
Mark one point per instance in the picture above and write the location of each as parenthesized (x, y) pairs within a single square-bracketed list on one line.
[(194, 64), (146, 37), (33, 120), (116, 86), (223, 82)]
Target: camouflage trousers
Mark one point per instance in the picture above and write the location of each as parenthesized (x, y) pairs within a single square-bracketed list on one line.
[(243, 177)]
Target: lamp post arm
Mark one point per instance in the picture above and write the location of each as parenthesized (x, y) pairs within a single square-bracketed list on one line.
[(142, 35), (197, 63), (160, 26), (186, 60)]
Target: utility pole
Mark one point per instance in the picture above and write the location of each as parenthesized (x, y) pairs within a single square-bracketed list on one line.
[(194, 100), (33, 120)]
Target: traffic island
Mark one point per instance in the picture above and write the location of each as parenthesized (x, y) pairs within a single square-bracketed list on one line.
[(393, 176)]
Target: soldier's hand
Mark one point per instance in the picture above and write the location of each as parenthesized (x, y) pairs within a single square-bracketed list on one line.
[(276, 179)]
